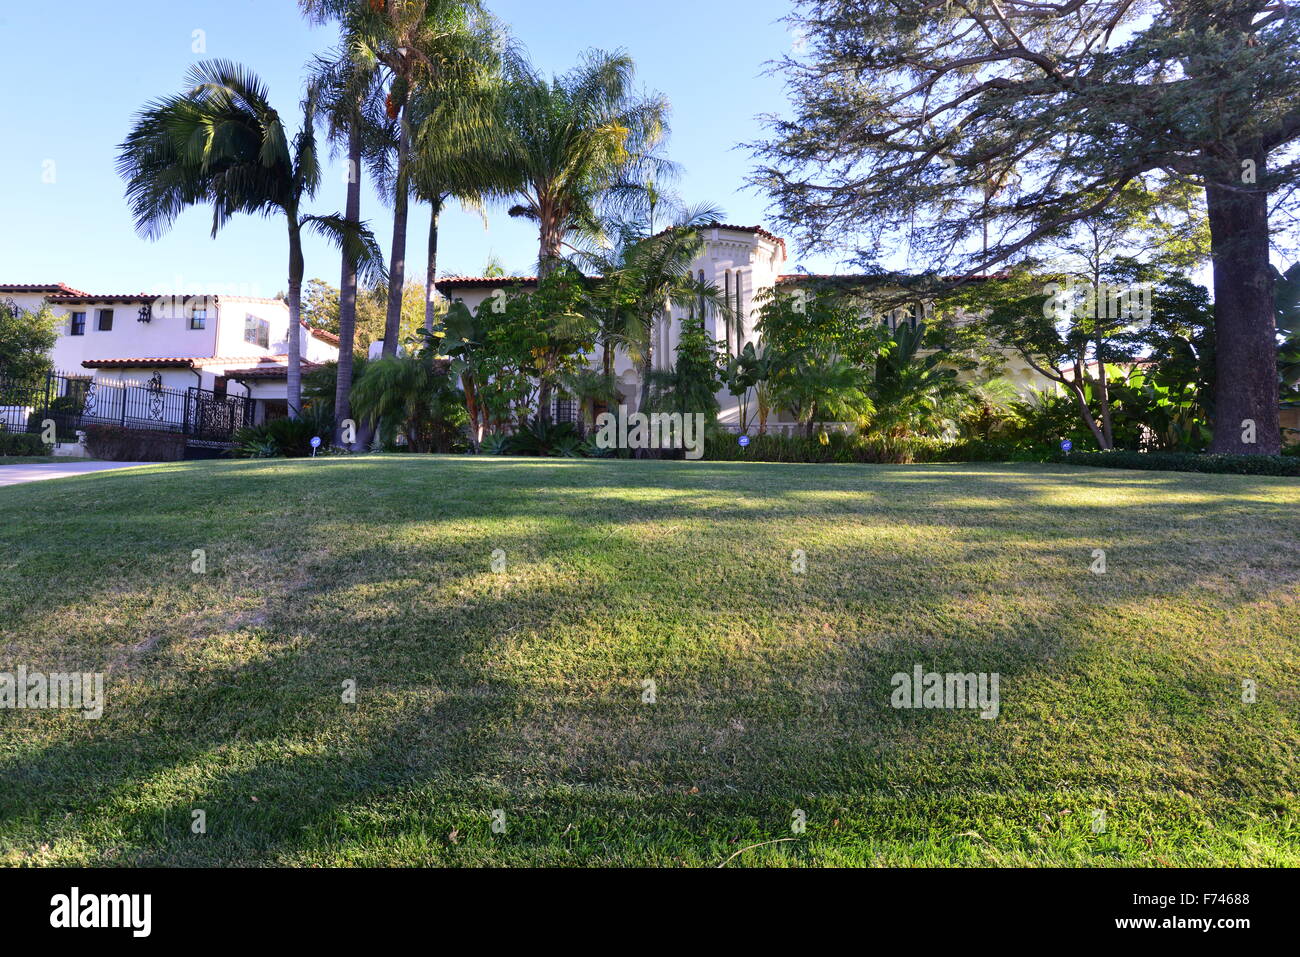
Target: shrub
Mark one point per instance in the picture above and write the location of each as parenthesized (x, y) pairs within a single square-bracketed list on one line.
[(541, 438), (285, 438), (22, 443), (116, 444), (1185, 462), (828, 447)]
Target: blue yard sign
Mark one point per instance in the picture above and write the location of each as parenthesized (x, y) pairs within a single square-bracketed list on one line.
[(1066, 445), (744, 441), (315, 444)]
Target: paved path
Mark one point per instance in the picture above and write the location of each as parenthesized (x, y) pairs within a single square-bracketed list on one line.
[(18, 474)]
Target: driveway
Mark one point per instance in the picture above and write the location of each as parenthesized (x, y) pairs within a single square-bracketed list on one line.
[(18, 474)]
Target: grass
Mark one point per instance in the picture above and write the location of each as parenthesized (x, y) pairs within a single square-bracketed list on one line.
[(521, 690), (35, 459)]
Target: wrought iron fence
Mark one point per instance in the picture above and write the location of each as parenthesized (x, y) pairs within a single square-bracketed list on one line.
[(74, 402)]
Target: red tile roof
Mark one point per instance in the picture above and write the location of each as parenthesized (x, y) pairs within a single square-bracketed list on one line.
[(85, 298), (850, 278), (174, 362), (456, 282), (57, 287), (320, 334), (268, 371)]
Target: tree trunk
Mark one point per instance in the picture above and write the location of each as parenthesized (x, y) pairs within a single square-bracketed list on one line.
[(1081, 398), (431, 271), (1246, 389), (294, 341), (397, 260), (550, 239), (471, 407), (348, 292)]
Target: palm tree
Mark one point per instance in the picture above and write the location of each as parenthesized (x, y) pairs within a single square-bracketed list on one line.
[(579, 147), (647, 274), (455, 121), (222, 143), (912, 393), (819, 385), (346, 86), (416, 42)]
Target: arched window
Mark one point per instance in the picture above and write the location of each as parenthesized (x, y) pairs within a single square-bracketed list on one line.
[(726, 297), (740, 314)]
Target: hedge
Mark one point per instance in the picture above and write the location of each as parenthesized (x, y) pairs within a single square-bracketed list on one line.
[(836, 447), (22, 443), (839, 447), (1185, 462), (115, 444)]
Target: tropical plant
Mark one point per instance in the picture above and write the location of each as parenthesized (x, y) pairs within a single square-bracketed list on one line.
[(347, 87), (913, 393), (1287, 306), (579, 147), (539, 437), (285, 438), (222, 143), (819, 386), (690, 384), (416, 394), (644, 276)]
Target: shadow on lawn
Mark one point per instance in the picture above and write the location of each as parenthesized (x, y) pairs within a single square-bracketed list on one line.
[(771, 702)]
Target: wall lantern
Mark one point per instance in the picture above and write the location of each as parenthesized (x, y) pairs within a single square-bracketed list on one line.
[(145, 313)]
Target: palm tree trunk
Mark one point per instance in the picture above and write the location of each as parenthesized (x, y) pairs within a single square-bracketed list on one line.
[(397, 261), (431, 271), (296, 266), (550, 239), (348, 291)]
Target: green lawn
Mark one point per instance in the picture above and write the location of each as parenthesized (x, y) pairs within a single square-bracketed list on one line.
[(521, 690)]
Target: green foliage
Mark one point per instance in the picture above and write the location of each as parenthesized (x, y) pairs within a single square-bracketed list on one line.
[(22, 444), (495, 443), (26, 339), (690, 384), (285, 438), (1286, 295), (320, 384), (911, 393), (543, 438), (1186, 462), (416, 395), (827, 447), (819, 385), (824, 316)]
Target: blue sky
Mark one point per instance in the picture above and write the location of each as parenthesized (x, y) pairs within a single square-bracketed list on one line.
[(74, 73)]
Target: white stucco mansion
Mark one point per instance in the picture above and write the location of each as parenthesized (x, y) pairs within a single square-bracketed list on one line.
[(227, 345), (236, 345), (742, 262)]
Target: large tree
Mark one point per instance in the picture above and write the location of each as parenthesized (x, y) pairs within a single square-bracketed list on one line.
[(935, 120), (347, 84), (221, 143), (580, 147)]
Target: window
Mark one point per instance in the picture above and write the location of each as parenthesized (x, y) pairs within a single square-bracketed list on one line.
[(199, 319), (78, 327), (740, 315), (105, 320), (257, 331)]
